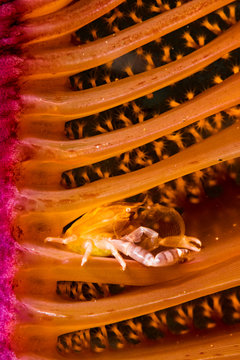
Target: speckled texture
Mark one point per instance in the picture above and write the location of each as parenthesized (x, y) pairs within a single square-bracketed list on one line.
[(7, 265), (9, 107), (9, 31)]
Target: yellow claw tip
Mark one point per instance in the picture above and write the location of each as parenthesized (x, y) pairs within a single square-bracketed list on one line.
[(83, 262), (123, 266)]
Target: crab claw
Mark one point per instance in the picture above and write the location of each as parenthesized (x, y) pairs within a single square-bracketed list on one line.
[(182, 241)]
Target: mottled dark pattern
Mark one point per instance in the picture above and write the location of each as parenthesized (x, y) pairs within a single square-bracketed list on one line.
[(208, 312), (129, 13), (159, 52), (154, 54), (83, 291), (211, 311)]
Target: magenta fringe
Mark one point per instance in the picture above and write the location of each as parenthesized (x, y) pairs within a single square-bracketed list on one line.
[(10, 70)]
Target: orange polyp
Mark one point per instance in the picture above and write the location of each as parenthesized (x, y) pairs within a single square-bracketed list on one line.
[(225, 344), (65, 21), (39, 207), (53, 155), (42, 7), (217, 344), (71, 60), (65, 105)]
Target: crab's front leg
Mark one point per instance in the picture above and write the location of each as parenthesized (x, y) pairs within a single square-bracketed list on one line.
[(136, 236), (154, 241), (181, 241), (182, 247), (143, 256)]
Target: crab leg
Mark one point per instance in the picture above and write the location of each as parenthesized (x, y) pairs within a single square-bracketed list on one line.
[(182, 241), (164, 258), (60, 240), (136, 235), (88, 247), (127, 245)]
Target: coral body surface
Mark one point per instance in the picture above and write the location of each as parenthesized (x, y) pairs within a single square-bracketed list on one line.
[(106, 103)]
